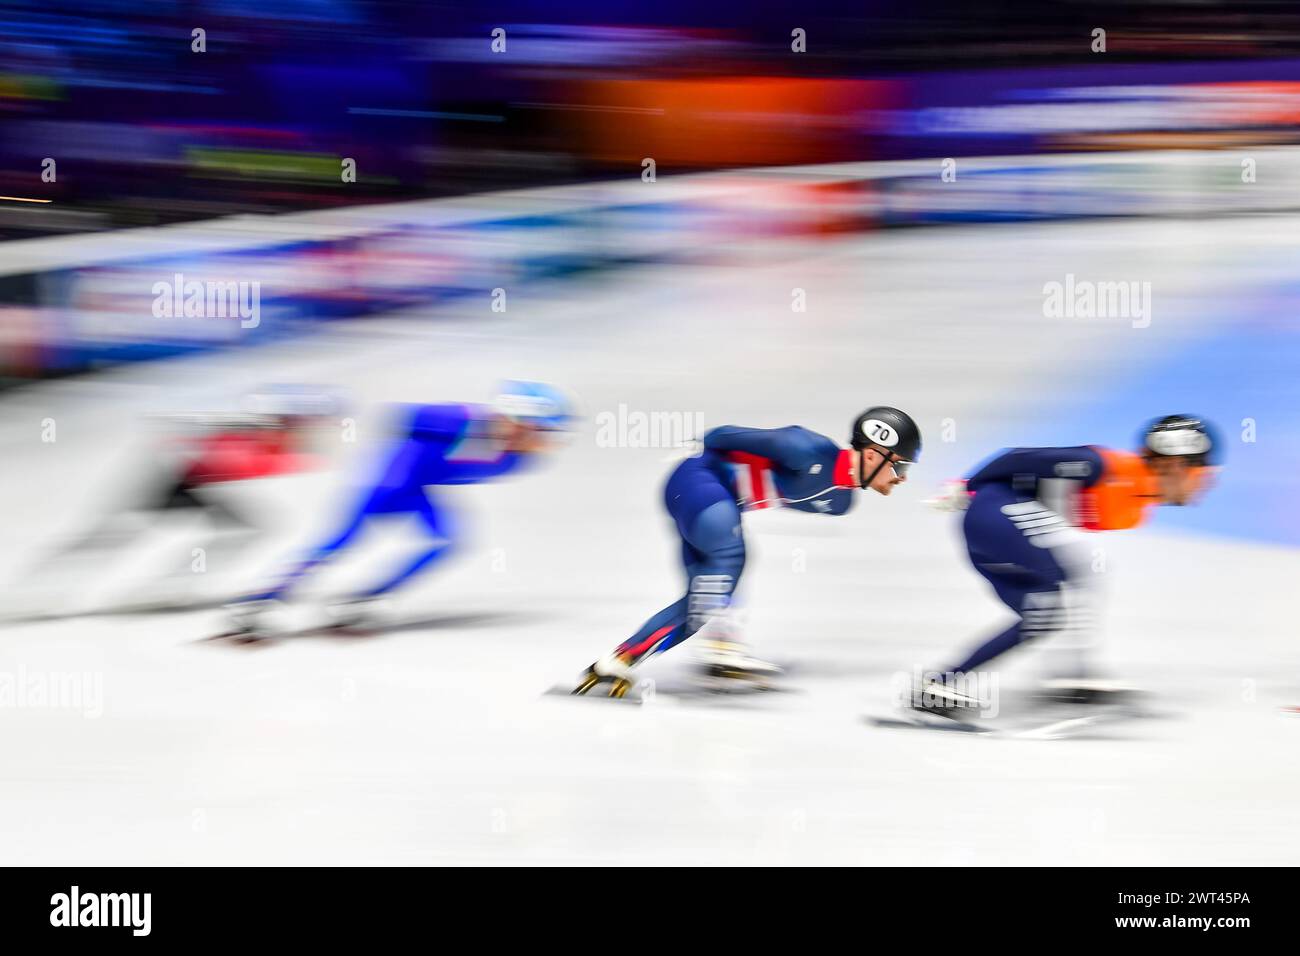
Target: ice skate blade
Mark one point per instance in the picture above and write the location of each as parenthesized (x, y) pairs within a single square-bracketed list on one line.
[(732, 684), (268, 637), (239, 639), (1059, 730), (596, 693), (921, 721), (1080, 725)]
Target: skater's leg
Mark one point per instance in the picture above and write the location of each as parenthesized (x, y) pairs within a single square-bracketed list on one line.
[(663, 624), (1021, 549), (233, 534), (111, 532), (60, 570), (395, 492), (324, 551), (714, 555), (1039, 612), (228, 533), (205, 568), (117, 528), (438, 523), (716, 536)]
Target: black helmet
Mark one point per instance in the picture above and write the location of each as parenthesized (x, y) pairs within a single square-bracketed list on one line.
[(886, 428), (1183, 436)]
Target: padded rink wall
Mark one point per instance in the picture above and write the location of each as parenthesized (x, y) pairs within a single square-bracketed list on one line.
[(78, 302)]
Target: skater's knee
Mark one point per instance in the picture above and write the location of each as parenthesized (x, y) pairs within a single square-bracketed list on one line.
[(716, 532), (1043, 611)]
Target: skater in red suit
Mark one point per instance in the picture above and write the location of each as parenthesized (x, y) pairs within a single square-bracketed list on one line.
[(202, 455)]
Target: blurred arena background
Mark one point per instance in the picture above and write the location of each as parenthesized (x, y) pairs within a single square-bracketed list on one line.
[(685, 217)]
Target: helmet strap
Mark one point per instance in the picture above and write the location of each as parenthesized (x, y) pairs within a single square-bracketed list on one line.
[(865, 483)]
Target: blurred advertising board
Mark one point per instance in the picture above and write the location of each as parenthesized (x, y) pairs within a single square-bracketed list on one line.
[(80, 301)]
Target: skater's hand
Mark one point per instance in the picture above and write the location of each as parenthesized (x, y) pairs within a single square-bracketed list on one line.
[(952, 496)]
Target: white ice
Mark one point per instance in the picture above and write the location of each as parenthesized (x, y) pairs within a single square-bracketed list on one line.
[(435, 744)]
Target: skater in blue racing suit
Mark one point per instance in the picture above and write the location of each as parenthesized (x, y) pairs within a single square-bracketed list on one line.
[(448, 444), (747, 469)]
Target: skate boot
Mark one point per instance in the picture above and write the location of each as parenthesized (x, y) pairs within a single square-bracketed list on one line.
[(727, 666), (1088, 690), (614, 669), (938, 699), (357, 614), (251, 619)]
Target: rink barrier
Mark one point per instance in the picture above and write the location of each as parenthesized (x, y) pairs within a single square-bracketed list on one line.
[(74, 302)]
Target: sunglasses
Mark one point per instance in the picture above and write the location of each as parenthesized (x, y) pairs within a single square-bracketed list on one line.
[(900, 467)]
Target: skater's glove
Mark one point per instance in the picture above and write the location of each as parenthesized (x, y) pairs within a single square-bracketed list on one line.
[(953, 496)]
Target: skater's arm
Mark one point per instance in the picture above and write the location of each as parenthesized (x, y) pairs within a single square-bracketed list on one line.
[(507, 462), (438, 424), (1030, 465), (789, 447)]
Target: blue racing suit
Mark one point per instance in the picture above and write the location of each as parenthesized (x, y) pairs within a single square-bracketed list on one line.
[(739, 469), (434, 445)]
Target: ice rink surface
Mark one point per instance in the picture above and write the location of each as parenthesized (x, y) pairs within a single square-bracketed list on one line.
[(435, 744)]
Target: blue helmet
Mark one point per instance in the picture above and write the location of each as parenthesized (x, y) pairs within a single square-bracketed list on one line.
[(534, 403)]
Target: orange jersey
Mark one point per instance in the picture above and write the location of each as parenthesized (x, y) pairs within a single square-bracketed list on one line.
[(1119, 499)]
